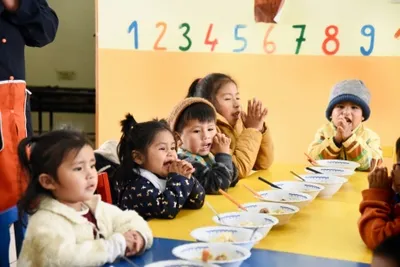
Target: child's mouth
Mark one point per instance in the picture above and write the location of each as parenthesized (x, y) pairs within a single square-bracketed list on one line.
[(167, 163), (206, 146), (348, 120), (236, 115)]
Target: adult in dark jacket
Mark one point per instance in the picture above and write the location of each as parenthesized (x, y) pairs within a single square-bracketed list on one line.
[(22, 23)]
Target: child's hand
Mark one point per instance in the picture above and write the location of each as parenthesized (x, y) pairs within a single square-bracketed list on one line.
[(182, 167), (344, 130), (396, 178), (11, 5), (136, 243), (255, 116), (220, 144), (379, 179)]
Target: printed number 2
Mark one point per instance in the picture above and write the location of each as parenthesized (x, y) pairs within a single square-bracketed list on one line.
[(239, 38), (164, 29)]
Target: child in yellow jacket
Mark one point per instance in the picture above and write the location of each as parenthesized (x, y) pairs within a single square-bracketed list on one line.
[(251, 142), (345, 136)]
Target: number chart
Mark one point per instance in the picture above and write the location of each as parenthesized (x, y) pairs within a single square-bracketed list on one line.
[(260, 38)]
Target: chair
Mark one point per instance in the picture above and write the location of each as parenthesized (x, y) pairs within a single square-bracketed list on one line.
[(8, 217), (103, 187)]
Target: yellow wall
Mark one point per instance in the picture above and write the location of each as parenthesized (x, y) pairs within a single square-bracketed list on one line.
[(295, 89)]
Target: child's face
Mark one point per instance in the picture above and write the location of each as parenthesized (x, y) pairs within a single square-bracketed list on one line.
[(197, 137), (160, 154), (227, 103), (349, 111), (380, 261), (77, 178)]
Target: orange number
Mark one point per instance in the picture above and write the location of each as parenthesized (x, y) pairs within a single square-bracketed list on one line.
[(331, 33), (207, 41), (164, 29), (269, 46)]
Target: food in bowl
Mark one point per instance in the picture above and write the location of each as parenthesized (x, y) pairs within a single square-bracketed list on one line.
[(247, 224), (224, 237), (264, 210), (207, 256), (273, 212)]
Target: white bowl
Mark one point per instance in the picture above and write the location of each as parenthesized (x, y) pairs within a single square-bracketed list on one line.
[(240, 236), (180, 263), (339, 163), (333, 171), (311, 189), (285, 211), (332, 183), (193, 252), (297, 199), (260, 221)]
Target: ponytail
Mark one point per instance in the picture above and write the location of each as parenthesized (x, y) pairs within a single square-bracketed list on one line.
[(193, 88)]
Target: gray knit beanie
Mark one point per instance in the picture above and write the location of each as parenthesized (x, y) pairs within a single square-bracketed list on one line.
[(350, 91)]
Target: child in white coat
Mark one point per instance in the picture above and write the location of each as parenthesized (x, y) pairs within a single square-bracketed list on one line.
[(69, 225)]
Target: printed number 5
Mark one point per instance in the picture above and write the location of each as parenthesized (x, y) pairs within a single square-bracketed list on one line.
[(239, 38)]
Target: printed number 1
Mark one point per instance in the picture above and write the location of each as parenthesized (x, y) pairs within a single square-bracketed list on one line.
[(301, 38), (239, 38), (134, 27)]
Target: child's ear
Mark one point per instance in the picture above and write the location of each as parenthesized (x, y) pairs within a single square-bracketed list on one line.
[(137, 157), (47, 182), (178, 139), (362, 119)]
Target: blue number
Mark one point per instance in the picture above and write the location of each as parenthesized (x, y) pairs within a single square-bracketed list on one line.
[(238, 38), (134, 26), (368, 31)]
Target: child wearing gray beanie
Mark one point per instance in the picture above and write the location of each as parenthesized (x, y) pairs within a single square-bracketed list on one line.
[(345, 136)]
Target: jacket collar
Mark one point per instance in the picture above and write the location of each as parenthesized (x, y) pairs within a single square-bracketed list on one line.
[(52, 205)]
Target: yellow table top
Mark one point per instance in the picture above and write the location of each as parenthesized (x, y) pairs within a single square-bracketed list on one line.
[(325, 228)]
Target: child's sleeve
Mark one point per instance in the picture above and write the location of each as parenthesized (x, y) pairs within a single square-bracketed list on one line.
[(363, 151), (123, 221), (196, 197), (150, 202), (265, 155), (376, 222), (245, 153), (52, 242), (218, 176), (323, 147)]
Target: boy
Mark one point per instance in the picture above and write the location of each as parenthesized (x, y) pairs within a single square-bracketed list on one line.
[(380, 206), (194, 122), (345, 136)]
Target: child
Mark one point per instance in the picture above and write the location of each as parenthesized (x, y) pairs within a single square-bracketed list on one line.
[(151, 179), (380, 207), (251, 144), (345, 136), (387, 253), (69, 226), (194, 121)]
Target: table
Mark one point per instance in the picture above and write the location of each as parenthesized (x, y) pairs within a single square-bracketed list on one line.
[(324, 233)]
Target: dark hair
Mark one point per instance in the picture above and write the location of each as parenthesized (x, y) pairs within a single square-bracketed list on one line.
[(208, 86), (197, 111), (47, 153), (389, 249), (137, 136), (398, 149)]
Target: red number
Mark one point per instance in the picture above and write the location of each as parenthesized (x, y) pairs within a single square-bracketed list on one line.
[(207, 41), (269, 46), (331, 33), (164, 29)]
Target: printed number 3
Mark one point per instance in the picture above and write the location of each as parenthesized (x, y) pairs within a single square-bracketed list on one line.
[(185, 34)]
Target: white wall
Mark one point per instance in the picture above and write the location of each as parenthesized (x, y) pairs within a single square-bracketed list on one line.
[(73, 50)]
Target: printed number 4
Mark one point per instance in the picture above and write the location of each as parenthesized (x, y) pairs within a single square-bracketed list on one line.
[(207, 41)]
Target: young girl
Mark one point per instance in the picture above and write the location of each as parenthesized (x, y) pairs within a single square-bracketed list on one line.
[(151, 179), (251, 144), (345, 136), (69, 226)]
